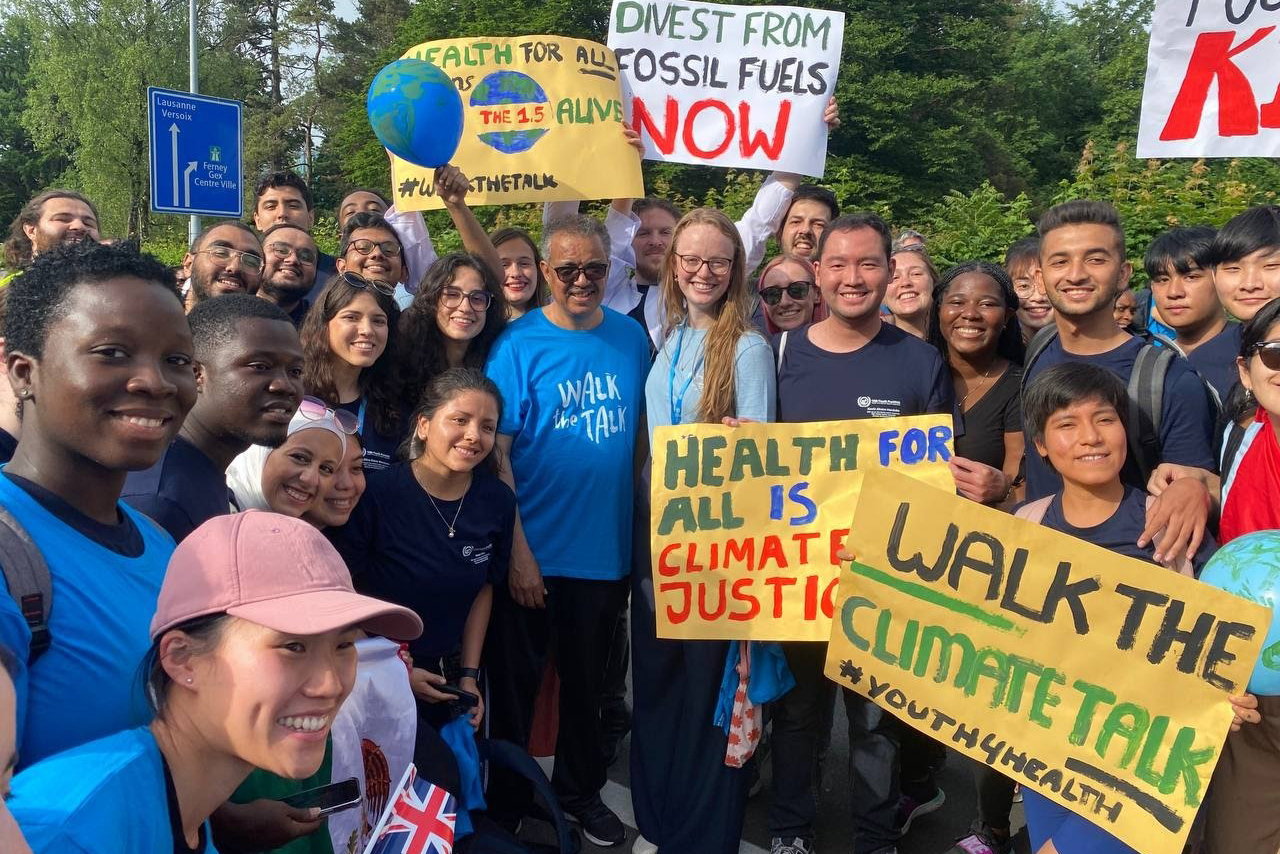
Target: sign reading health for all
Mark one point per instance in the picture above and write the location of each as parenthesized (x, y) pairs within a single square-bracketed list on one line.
[(747, 521), (541, 121), (1213, 80), (734, 86), (1098, 679)]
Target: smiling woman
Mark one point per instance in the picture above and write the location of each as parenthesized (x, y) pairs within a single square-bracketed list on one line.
[(290, 478)]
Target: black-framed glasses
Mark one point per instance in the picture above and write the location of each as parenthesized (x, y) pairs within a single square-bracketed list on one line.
[(693, 263), (283, 250), (772, 295), (315, 409), (364, 246), (593, 270), (1269, 353), (250, 260), (356, 280), (453, 297)]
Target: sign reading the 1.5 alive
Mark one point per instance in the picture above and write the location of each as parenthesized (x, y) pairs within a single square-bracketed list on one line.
[(1213, 80), (733, 86)]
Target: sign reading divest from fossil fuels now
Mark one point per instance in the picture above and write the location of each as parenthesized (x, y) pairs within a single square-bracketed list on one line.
[(1098, 679), (747, 522), (739, 86), (542, 122)]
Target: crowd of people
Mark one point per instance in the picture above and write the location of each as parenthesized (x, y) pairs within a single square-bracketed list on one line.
[(215, 481)]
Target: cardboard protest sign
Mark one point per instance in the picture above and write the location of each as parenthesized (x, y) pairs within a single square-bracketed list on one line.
[(746, 522), (543, 122), (1100, 680), (1213, 80), (745, 86)]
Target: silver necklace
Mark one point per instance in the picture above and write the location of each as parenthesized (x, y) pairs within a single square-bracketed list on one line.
[(452, 526)]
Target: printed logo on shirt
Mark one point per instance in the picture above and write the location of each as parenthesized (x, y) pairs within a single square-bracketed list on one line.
[(478, 554), (881, 408), (864, 401), (588, 405)]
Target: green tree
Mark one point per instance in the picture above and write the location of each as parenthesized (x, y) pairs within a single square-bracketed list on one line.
[(24, 170)]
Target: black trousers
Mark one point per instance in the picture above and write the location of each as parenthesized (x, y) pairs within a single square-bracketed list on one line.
[(577, 628), (874, 743)]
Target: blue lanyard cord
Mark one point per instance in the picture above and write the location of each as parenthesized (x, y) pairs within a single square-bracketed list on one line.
[(360, 417), (677, 401)]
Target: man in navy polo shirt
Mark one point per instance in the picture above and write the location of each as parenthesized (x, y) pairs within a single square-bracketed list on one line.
[(248, 364), (289, 274)]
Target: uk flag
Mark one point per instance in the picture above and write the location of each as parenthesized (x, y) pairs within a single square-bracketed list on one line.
[(419, 819)]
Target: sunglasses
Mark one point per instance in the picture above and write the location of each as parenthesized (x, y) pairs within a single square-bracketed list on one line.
[(593, 270), (693, 263), (364, 246), (772, 295), (453, 297), (225, 253), (284, 250), (356, 280), (1269, 353), (315, 409)]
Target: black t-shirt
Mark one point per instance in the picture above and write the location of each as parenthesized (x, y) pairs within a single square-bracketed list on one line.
[(893, 374), (180, 492), (123, 537), (175, 817), (397, 547), (380, 449), (299, 312), (980, 431), (8, 444), (1215, 359)]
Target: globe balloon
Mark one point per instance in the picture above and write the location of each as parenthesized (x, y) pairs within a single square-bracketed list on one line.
[(416, 112), (1249, 566)]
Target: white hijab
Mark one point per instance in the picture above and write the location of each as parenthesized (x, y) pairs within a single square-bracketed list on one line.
[(244, 475)]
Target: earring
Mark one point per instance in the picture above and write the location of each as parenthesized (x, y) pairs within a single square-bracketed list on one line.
[(188, 680), (1248, 397), (25, 393)]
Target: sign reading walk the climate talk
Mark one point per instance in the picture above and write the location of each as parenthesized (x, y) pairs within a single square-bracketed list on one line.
[(1098, 679), (739, 86), (1213, 80), (747, 521), (542, 122)]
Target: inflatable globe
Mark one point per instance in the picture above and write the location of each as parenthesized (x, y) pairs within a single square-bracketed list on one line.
[(510, 88), (1249, 566), (416, 112)]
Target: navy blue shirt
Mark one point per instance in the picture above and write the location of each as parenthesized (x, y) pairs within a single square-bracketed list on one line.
[(893, 374), (1186, 425), (8, 445), (180, 492), (380, 449), (397, 547), (1215, 359)]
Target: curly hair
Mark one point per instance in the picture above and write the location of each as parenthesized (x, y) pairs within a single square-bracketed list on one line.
[(17, 247), (1009, 345)]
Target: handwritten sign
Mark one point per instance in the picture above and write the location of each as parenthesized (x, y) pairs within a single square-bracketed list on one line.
[(747, 522), (1099, 679), (740, 86), (1213, 80), (542, 123)]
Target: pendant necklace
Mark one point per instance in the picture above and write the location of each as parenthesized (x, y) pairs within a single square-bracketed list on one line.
[(452, 526)]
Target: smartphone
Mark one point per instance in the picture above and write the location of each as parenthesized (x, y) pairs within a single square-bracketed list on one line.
[(332, 798), (462, 698)]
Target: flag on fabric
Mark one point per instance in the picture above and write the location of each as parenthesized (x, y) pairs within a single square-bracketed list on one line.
[(418, 820)]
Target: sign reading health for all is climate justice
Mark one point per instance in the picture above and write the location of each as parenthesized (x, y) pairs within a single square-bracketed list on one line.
[(542, 122), (1213, 80), (734, 86), (1098, 679), (747, 521)]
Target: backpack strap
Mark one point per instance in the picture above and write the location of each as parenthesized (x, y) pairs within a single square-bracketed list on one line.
[(782, 348), (1035, 348), (1033, 511), (1146, 402), (1182, 565), (1235, 438), (30, 585)]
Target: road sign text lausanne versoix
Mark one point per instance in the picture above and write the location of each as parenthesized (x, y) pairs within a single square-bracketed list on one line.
[(195, 154)]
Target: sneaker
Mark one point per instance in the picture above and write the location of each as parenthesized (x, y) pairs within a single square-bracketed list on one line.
[(981, 841), (911, 808), (643, 846), (599, 824), (792, 845)]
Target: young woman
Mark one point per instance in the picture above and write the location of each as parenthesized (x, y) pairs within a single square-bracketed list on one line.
[(523, 284), (434, 534), (346, 338), (291, 478), (335, 501), (253, 652), (452, 322), (711, 366), (789, 298), (910, 294)]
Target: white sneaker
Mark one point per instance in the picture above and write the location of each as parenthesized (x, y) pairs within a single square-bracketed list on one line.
[(643, 846)]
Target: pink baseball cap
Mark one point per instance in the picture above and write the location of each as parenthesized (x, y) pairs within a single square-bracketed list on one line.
[(273, 570)]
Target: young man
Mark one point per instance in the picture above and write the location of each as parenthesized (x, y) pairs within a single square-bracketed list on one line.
[(850, 365), (1246, 261), (290, 272), (812, 208), (50, 219), (1177, 263), (283, 197), (1034, 309), (248, 367), (225, 258)]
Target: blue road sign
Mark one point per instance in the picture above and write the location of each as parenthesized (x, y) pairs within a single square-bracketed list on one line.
[(195, 154)]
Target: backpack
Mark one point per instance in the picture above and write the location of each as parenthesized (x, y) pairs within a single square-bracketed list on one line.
[(1033, 511), (29, 582), (1146, 393)]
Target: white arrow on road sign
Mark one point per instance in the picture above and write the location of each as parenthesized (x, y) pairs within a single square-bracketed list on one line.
[(186, 183), (173, 135)]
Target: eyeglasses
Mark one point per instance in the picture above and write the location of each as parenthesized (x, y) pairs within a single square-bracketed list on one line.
[(1022, 287), (692, 264), (315, 409), (356, 280), (225, 253), (452, 298), (284, 250), (1269, 353), (593, 270), (390, 248), (772, 295)]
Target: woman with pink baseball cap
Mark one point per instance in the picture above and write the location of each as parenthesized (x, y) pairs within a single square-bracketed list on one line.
[(253, 652)]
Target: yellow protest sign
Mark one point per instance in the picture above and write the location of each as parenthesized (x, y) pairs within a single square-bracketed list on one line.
[(542, 122), (1098, 679), (747, 521)]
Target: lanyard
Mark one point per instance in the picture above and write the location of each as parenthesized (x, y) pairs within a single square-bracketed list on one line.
[(364, 401), (677, 401)]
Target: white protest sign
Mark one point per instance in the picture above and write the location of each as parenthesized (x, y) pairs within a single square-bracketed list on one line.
[(732, 86), (1213, 80)]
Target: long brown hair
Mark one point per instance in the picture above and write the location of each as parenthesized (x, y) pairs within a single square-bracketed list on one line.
[(732, 318)]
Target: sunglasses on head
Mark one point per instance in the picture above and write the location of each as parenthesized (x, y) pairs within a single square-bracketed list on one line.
[(1269, 353), (593, 270), (356, 280), (315, 409), (772, 295)]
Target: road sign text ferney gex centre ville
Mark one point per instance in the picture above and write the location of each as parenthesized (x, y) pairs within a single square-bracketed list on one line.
[(195, 154)]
